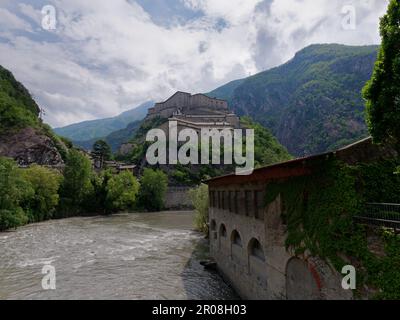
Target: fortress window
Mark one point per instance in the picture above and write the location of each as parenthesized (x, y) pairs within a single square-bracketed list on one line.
[(226, 200), (236, 239), (236, 202), (258, 205), (213, 225), (248, 203), (223, 199), (211, 197), (222, 231), (256, 250), (219, 200), (230, 201)]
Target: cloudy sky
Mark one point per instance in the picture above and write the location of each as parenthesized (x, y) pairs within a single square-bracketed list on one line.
[(103, 57)]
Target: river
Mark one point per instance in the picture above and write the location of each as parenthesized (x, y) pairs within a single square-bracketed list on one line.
[(126, 256)]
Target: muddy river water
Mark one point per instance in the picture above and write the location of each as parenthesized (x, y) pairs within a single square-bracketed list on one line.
[(127, 256)]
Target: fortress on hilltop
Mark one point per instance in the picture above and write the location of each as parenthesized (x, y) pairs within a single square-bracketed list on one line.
[(196, 110)]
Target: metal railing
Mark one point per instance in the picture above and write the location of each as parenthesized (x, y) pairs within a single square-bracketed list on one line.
[(380, 214)]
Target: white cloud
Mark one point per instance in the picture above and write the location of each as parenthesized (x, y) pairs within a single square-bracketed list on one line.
[(9, 21), (234, 11), (290, 25), (107, 56), (30, 12)]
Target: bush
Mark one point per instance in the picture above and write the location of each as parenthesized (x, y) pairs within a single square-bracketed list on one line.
[(96, 199), (199, 197), (122, 190), (14, 190), (45, 184), (76, 185), (153, 187), (10, 219)]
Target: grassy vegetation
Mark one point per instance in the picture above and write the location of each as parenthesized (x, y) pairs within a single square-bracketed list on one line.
[(17, 108)]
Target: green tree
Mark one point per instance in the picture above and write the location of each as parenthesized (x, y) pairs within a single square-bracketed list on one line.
[(45, 184), (14, 190), (199, 198), (101, 151), (96, 199), (122, 190), (382, 92), (76, 184), (153, 187)]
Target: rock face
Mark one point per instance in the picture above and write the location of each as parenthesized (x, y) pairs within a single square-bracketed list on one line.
[(29, 146)]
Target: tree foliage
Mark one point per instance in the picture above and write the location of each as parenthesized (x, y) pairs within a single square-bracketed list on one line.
[(154, 185), (199, 198), (45, 184), (14, 190), (96, 198), (122, 190), (101, 150), (382, 92), (76, 184)]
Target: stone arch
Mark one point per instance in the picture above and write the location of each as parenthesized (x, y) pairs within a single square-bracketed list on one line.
[(236, 238), (302, 281), (255, 249)]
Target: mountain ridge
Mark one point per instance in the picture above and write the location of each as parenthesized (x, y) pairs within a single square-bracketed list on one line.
[(313, 102), (94, 129)]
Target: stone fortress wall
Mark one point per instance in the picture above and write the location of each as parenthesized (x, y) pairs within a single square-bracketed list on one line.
[(196, 108), (247, 241)]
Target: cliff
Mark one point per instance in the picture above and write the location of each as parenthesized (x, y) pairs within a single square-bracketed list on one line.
[(23, 136)]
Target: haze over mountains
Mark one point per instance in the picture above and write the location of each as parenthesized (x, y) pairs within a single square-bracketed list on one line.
[(311, 104), (93, 129)]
